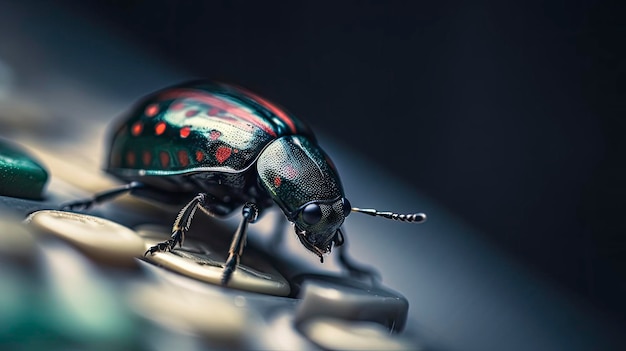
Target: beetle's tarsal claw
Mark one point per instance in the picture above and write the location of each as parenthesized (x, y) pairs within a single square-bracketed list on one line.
[(162, 247)]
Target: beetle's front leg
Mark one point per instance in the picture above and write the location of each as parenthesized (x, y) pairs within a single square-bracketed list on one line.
[(249, 214), (354, 269), (181, 225)]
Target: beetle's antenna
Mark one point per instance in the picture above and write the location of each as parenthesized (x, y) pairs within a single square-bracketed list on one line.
[(411, 218)]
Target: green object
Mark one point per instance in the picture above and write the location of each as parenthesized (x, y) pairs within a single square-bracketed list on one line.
[(20, 175)]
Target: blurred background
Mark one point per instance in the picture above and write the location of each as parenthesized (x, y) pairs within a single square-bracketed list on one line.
[(510, 115)]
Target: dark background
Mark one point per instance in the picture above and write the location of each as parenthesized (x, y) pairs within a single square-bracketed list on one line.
[(510, 114)]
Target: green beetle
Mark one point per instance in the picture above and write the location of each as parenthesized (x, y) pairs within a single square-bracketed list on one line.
[(227, 148)]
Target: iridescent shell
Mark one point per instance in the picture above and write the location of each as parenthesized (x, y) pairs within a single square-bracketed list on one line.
[(197, 127)]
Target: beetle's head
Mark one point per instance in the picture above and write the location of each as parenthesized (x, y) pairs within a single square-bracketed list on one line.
[(304, 183), (317, 224)]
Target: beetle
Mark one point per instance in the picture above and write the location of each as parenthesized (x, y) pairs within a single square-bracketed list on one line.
[(227, 148)]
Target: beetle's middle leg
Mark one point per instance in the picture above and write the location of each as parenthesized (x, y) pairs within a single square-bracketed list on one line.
[(354, 270), (181, 225), (249, 214)]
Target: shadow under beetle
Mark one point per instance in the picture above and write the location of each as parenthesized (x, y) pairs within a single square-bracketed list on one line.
[(225, 147)]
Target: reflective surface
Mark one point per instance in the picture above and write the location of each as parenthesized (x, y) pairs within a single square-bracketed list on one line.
[(99, 238)]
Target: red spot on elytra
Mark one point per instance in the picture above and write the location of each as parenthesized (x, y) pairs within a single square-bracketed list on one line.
[(277, 181), (184, 132), (215, 134), (165, 159), (199, 155), (213, 111), (147, 158), (136, 128), (183, 158), (222, 153), (152, 110), (177, 106), (160, 128), (191, 113), (131, 159)]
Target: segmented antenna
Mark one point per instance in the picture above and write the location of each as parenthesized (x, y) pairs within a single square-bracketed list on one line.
[(411, 218)]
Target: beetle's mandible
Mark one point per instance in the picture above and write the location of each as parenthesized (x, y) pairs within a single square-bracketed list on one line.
[(226, 148)]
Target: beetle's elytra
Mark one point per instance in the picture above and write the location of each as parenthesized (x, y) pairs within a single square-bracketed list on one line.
[(218, 147)]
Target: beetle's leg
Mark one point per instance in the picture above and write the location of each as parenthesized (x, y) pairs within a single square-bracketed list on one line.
[(181, 225), (85, 204), (353, 269), (249, 214)]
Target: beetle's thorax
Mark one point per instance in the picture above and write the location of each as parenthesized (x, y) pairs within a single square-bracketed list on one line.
[(297, 173)]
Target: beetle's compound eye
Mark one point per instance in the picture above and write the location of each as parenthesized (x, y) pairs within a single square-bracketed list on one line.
[(347, 207), (311, 214)]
